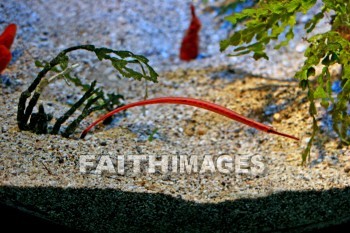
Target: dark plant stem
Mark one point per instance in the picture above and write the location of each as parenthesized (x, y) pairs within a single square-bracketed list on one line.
[(29, 110), (22, 125), (65, 116), (86, 111), (39, 121)]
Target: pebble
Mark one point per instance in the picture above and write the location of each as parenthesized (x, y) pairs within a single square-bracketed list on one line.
[(277, 117), (347, 168), (201, 130), (189, 130), (301, 48), (307, 139), (4, 129)]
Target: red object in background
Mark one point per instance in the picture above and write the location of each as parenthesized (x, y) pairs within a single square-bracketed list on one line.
[(8, 36), (6, 40), (5, 57), (190, 43)]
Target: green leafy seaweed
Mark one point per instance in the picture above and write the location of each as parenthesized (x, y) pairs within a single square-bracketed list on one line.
[(125, 63), (274, 20)]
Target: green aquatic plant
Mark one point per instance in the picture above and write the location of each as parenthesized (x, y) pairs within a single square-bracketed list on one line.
[(95, 98), (274, 19), (151, 136)]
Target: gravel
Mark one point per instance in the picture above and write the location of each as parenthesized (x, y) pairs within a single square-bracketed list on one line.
[(41, 173)]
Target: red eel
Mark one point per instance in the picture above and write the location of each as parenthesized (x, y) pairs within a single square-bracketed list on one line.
[(196, 103)]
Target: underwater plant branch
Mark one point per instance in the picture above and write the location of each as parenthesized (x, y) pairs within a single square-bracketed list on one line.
[(341, 118), (28, 110), (23, 112), (306, 152), (264, 24), (21, 122), (86, 111), (44, 82), (120, 60), (146, 92), (39, 121), (56, 61), (63, 73), (107, 101), (75, 106), (196, 103), (327, 49)]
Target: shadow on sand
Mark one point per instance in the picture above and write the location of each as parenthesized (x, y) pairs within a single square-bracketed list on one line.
[(109, 210)]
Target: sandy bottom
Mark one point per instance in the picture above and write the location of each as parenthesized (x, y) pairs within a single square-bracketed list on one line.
[(270, 192)]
